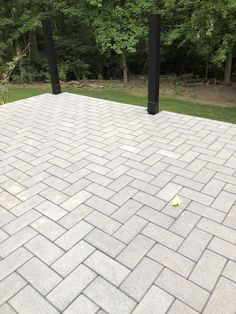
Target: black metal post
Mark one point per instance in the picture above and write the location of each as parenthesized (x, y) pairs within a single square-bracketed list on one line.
[(154, 63), (51, 56)]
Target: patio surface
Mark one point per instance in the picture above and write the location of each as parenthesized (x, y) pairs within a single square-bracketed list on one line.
[(86, 219)]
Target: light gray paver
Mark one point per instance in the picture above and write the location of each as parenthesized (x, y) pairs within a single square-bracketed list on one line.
[(70, 260), (208, 270), (197, 196), (34, 190), (231, 162), (156, 217), (130, 229), (12, 187), (163, 178), (51, 210), (76, 187), (7, 200), (120, 183), (10, 286), (76, 200), (175, 211), (101, 205), (141, 278), (86, 217), (230, 219), (44, 249), (206, 211), (155, 301), (21, 222), (75, 216), (103, 222), (100, 191), (179, 307), (107, 267), (16, 240), (140, 175), (30, 301), (213, 187), (218, 230), (171, 259), (5, 217), (135, 251), (224, 201), (48, 228), (27, 205), (56, 183), (40, 276), (105, 242), (195, 244), (109, 298), (185, 223), (181, 288), (3, 235), (7, 309), (169, 191), (149, 200), (13, 261), (123, 195), (192, 184), (123, 213), (223, 298), (163, 236), (145, 187), (230, 271), (54, 195), (82, 305), (223, 248), (74, 235), (70, 287)]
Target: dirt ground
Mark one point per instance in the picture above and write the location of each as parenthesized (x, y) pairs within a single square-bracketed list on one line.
[(204, 93), (209, 94), (198, 92), (219, 95)]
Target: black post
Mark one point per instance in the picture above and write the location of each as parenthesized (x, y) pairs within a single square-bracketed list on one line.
[(51, 56), (154, 63)]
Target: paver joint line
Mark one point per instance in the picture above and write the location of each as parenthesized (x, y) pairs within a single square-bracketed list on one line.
[(86, 220)]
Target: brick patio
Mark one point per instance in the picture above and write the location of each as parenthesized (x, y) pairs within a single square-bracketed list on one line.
[(86, 220)]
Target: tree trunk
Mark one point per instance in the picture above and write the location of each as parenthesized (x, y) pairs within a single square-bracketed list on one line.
[(206, 68), (21, 64), (33, 41), (124, 67), (228, 67), (76, 73)]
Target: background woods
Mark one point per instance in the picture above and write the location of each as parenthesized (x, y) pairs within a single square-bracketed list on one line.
[(98, 39)]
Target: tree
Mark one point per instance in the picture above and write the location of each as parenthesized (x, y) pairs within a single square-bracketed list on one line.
[(18, 19), (120, 25), (98, 38), (210, 26)]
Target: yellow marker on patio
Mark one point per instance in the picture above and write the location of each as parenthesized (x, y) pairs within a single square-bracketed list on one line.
[(176, 201)]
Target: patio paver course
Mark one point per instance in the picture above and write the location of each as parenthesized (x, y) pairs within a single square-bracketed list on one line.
[(86, 219)]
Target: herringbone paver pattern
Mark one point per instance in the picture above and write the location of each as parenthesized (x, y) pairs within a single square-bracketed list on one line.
[(86, 220)]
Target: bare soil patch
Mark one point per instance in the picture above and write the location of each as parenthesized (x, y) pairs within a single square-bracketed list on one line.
[(197, 92)]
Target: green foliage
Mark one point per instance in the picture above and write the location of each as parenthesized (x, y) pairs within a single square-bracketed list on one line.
[(4, 95), (119, 26), (208, 25), (90, 35)]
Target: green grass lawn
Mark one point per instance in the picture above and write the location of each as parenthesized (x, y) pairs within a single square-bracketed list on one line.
[(111, 93)]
